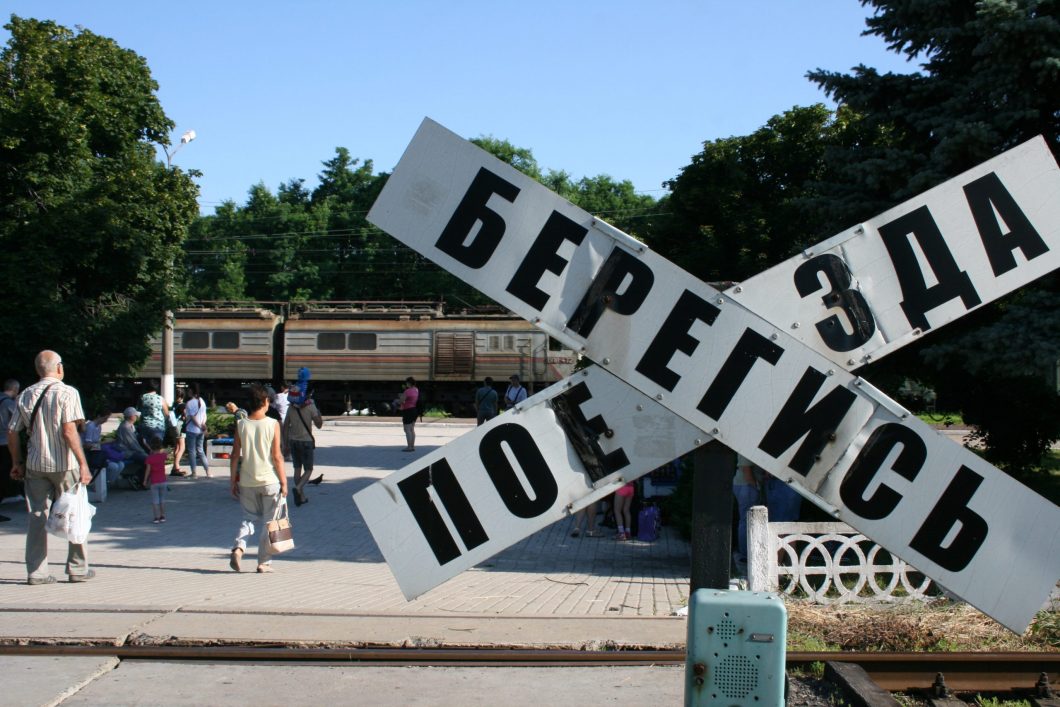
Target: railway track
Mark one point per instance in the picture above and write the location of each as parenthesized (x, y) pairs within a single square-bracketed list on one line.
[(962, 672)]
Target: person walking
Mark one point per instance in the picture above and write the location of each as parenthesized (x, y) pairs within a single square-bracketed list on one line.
[(623, 502), (408, 404), (747, 485), (155, 479), (50, 411), (280, 402), (195, 429), (258, 479), (486, 399), (589, 513), (8, 408), (515, 394), (180, 437), (299, 443)]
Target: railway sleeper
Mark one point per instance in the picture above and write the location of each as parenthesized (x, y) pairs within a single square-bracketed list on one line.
[(860, 689)]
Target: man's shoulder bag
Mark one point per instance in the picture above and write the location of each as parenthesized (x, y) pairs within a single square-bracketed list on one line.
[(27, 431), (312, 440)]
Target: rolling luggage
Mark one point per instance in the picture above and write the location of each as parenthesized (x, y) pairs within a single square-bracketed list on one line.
[(648, 522)]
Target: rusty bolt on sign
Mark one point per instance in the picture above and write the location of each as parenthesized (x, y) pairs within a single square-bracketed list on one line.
[(699, 670)]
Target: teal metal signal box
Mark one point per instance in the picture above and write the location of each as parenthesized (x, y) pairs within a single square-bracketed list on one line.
[(736, 649)]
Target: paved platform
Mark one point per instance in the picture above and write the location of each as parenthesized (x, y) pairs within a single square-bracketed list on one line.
[(106, 682), (171, 583)]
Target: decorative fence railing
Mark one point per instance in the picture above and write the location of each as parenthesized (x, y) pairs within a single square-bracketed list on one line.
[(827, 563)]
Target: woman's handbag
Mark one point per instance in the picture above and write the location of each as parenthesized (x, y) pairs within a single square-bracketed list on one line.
[(279, 530)]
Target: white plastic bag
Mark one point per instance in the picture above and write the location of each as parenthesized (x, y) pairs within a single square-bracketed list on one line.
[(81, 517), (58, 522), (70, 517)]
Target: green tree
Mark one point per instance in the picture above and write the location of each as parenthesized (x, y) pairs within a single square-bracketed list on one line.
[(91, 223), (989, 80), (216, 257), (748, 202), (613, 201), (364, 263), (521, 158), (296, 245)]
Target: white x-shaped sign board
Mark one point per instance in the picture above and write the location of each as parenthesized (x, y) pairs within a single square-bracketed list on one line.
[(724, 370)]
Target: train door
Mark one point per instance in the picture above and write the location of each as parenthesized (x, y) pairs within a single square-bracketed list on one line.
[(454, 353)]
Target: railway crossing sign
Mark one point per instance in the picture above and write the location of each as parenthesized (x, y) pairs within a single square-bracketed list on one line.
[(762, 368)]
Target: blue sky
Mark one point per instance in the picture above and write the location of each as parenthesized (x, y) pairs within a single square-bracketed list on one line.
[(628, 89)]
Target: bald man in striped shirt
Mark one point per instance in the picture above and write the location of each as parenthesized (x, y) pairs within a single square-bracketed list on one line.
[(50, 411)]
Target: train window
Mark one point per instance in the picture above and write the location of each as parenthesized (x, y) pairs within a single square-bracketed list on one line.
[(501, 342), (331, 342), (195, 340), (226, 340), (362, 341)]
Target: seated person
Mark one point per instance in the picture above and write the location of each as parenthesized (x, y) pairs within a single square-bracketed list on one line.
[(234, 409), (90, 438), (91, 442), (129, 441), (115, 460)]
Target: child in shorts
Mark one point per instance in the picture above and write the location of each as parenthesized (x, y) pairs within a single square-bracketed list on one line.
[(155, 475)]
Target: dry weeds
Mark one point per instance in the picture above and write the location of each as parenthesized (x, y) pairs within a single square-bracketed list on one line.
[(938, 626)]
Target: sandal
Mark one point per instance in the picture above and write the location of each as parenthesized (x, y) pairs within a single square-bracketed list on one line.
[(264, 569), (237, 553), (575, 533)]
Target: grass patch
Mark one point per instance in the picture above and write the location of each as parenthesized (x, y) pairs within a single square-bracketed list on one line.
[(1045, 479), (949, 419), (1046, 628), (813, 670), (807, 641), (437, 413), (997, 702)]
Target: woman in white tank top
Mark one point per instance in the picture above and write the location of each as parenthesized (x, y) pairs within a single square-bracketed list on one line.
[(259, 480)]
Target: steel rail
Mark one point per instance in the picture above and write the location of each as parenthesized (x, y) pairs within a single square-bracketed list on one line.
[(994, 672), (987, 672)]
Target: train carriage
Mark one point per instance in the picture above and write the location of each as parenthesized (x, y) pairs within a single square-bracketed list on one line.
[(367, 350), (358, 352), (224, 345)]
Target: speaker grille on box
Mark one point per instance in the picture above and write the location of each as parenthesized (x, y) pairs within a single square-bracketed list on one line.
[(737, 676), (726, 630)]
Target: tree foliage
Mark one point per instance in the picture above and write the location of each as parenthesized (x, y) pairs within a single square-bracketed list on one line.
[(747, 202), (297, 245), (989, 80), (91, 223)]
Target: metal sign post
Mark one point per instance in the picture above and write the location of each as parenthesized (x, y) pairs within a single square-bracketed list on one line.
[(713, 466), (771, 382)]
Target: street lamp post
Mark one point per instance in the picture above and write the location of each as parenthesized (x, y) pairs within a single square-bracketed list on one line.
[(187, 137), (168, 392)]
